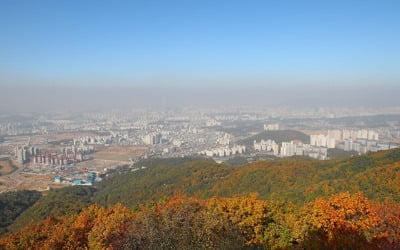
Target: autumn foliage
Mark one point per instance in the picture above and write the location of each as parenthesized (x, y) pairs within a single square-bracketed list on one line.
[(341, 221)]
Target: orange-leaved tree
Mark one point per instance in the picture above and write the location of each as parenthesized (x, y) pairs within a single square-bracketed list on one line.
[(387, 233), (342, 221)]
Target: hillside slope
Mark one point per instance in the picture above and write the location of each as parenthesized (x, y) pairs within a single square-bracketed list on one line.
[(12, 204), (299, 180), (342, 221)]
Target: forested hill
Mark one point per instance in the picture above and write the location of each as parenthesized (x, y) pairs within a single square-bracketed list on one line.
[(299, 180), (12, 204), (278, 136)]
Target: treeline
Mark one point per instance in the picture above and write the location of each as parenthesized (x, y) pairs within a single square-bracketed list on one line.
[(297, 180), (342, 221)]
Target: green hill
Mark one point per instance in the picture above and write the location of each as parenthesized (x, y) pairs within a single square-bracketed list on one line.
[(335, 153), (278, 136)]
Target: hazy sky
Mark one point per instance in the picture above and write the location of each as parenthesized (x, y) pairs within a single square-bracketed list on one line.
[(199, 42), (310, 49)]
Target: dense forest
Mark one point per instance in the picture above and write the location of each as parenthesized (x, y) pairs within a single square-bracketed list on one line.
[(12, 204), (300, 202)]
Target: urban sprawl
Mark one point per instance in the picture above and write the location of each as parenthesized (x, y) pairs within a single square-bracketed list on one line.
[(79, 149)]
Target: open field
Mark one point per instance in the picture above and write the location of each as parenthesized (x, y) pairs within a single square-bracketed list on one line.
[(120, 153)]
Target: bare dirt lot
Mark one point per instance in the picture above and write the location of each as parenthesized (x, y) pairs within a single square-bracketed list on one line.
[(60, 137), (7, 166), (119, 153), (19, 181)]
